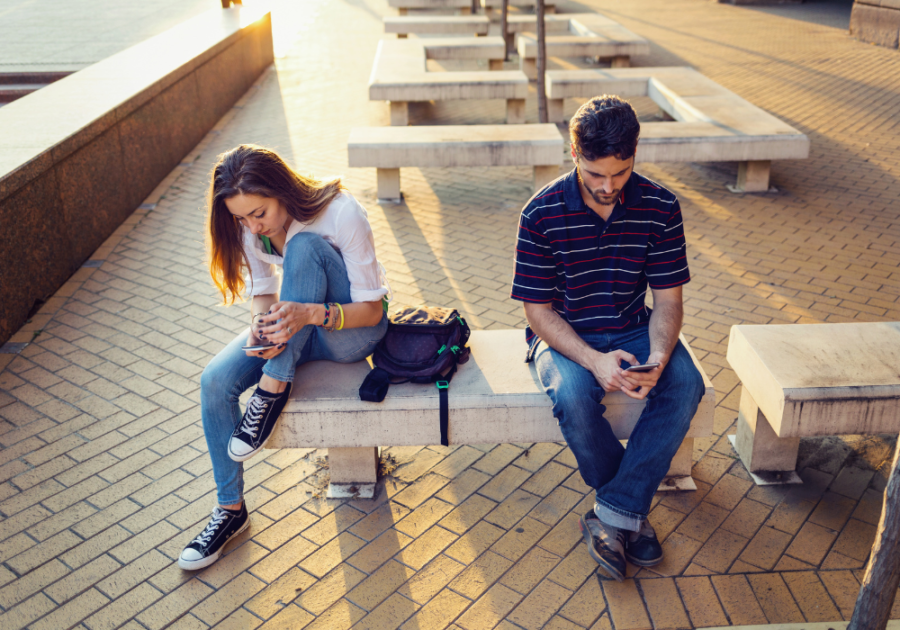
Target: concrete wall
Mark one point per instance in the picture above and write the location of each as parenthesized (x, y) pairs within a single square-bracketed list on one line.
[(876, 22), (79, 156)]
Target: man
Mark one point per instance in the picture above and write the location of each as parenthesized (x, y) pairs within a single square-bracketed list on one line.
[(589, 245)]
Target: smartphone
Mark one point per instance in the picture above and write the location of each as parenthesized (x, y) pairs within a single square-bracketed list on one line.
[(265, 346), (642, 368)]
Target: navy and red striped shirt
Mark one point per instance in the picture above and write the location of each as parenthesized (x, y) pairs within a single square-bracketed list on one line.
[(595, 273)]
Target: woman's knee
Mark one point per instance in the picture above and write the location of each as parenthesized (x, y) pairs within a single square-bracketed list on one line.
[(306, 246)]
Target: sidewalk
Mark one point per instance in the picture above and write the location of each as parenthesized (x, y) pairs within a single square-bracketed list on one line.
[(104, 475)]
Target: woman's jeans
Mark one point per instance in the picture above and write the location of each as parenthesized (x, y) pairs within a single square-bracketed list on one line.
[(625, 479), (313, 273)]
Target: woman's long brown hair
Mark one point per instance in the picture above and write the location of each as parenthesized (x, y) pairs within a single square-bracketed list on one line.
[(252, 170)]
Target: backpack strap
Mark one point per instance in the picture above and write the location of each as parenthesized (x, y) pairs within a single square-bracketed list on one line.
[(443, 385), (375, 386)]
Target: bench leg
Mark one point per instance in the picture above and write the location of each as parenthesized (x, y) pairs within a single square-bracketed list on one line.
[(354, 472), (388, 184), (543, 175), (402, 11), (620, 62), (529, 67), (679, 475), (402, 35), (515, 111), (769, 458), (399, 113), (510, 43), (555, 113), (495, 64), (753, 176)]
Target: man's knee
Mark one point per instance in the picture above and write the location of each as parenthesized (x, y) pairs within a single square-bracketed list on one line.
[(683, 378), (572, 389)]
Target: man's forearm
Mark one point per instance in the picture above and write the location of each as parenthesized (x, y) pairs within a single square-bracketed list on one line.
[(665, 326), (559, 334)]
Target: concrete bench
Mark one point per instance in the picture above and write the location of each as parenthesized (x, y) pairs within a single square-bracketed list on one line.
[(400, 75), (389, 148), (709, 123), (437, 25), (578, 35), (463, 6), (808, 380), (494, 398)]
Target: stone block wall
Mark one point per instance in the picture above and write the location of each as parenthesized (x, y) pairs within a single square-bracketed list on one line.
[(876, 22), (79, 156)]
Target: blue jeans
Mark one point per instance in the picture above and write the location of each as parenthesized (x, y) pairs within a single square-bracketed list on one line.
[(625, 479), (313, 273)]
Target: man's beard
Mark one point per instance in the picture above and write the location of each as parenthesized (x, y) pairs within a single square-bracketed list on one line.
[(603, 200)]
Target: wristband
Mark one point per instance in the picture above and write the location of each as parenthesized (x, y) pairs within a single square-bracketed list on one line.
[(341, 309)]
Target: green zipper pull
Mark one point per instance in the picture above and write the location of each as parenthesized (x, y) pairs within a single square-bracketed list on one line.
[(444, 347)]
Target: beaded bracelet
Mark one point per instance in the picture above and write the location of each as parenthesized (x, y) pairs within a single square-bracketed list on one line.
[(327, 315)]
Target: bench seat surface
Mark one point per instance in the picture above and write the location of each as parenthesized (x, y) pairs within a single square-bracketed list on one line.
[(455, 145), (821, 379), (493, 396)]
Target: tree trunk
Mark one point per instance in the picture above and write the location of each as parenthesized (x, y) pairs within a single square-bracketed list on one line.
[(504, 10), (541, 62), (873, 606)]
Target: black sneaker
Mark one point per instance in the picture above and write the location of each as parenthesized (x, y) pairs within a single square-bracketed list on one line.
[(642, 548), (207, 547), (256, 426), (606, 545)]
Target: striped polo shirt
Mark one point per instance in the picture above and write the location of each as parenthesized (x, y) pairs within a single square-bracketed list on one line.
[(595, 273)]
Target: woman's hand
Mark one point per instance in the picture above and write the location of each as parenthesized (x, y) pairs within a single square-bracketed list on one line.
[(284, 320), (254, 340)]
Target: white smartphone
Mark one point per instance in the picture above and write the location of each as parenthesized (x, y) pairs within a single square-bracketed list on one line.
[(642, 368), (262, 347)]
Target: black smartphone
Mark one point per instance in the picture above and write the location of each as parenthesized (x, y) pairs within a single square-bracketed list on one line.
[(642, 368), (262, 347)]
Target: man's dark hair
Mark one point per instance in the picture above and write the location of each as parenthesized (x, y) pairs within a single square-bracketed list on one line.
[(605, 125)]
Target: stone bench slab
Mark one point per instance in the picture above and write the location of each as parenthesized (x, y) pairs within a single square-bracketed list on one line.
[(812, 380), (437, 25), (709, 122), (400, 76), (494, 398), (390, 148)]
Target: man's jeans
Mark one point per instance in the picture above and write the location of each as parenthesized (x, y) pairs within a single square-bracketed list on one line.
[(625, 479), (313, 273)]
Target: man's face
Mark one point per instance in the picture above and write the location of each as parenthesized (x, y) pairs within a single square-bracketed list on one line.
[(603, 178)]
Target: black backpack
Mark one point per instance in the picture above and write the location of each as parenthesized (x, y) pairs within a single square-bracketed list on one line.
[(423, 344)]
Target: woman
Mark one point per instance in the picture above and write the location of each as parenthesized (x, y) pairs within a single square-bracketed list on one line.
[(262, 214)]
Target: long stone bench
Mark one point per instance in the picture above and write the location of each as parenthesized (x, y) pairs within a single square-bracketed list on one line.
[(578, 35), (389, 148), (400, 75), (494, 398), (437, 25), (83, 153), (463, 6), (708, 122), (807, 380)]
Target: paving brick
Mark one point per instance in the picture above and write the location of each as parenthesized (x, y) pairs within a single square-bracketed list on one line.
[(746, 519), (480, 575), (530, 570), (856, 540), (379, 551), (832, 511), (118, 612), (512, 509), (504, 483), (26, 612), (720, 551), (490, 609), (664, 604), (420, 491), (379, 586), (474, 542), (329, 589), (227, 598), (331, 555), (766, 548), (377, 521), (497, 459), (775, 598), (703, 521), (738, 599), (678, 550), (625, 605), (429, 581), (339, 617), (843, 588), (467, 514), (728, 492), (426, 547), (423, 517), (700, 599)]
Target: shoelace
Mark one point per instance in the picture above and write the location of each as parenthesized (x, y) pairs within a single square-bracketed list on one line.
[(255, 409), (218, 517)]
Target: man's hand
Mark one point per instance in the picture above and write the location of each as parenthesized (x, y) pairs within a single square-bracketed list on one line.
[(606, 370), (638, 384)]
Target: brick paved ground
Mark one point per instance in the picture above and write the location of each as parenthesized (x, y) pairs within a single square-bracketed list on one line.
[(103, 470)]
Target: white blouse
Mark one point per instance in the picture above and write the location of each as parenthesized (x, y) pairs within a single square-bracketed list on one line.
[(344, 225)]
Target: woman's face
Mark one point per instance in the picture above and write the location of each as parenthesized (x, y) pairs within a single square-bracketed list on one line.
[(263, 216)]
